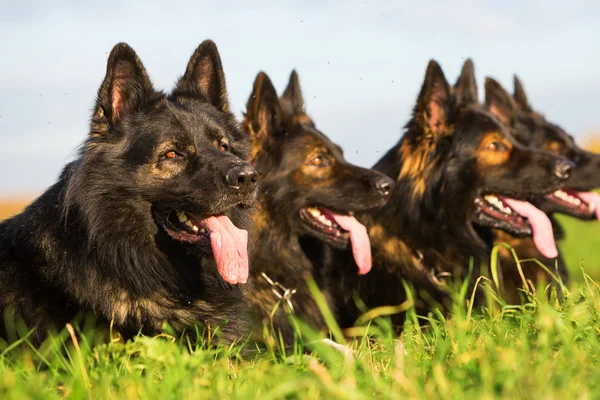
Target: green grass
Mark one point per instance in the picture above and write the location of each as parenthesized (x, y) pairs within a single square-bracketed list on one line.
[(582, 245), (544, 349)]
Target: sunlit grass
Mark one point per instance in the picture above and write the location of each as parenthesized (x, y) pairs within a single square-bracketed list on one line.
[(547, 348), (542, 349)]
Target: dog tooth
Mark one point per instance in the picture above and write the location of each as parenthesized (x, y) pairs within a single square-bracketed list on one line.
[(574, 200), (491, 199), (181, 216), (592, 207), (577, 202), (195, 228)]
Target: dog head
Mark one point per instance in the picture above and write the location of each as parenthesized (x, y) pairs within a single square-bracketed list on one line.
[(458, 164), (311, 188), (168, 170), (533, 130)]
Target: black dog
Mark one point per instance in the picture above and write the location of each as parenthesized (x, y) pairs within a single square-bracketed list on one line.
[(146, 225), (458, 174), (533, 130), (310, 193)]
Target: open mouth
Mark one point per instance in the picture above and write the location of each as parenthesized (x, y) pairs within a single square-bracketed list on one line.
[(336, 229), (495, 208), (185, 228), (215, 234), (321, 220), (572, 203), (518, 218)]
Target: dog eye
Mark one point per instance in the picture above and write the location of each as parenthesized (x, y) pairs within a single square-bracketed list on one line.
[(496, 146), (171, 154), (319, 161), (224, 147)]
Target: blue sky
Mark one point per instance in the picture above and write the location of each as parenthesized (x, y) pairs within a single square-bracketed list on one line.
[(361, 63)]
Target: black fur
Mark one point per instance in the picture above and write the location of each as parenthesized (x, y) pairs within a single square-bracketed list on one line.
[(96, 240), (451, 154), (533, 130), (300, 168)]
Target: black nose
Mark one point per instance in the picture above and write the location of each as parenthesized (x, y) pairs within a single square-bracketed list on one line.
[(563, 168), (242, 177), (384, 185)]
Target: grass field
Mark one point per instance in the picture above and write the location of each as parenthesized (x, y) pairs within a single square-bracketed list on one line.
[(544, 349)]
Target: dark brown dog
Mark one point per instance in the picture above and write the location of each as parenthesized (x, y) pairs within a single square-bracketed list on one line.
[(458, 174), (533, 130), (309, 193)]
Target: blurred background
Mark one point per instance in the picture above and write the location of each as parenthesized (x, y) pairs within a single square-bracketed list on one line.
[(361, 64)]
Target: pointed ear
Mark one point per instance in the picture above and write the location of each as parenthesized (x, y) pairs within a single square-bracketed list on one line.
[(292, 96), (466, 85), (499, 102), (434, 103), (263, 110), (125, 88), (204, 77), (520, 96)]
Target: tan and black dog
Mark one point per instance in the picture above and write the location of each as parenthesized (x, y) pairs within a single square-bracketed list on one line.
[(459, 173), (309, 193), (533, 130)]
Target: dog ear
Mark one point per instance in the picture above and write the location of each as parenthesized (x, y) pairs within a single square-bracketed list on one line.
[(434, 103), (466, 85), (263, 111), (292, 102), (126, 86), (292, 96), (520, 96), (204, 77), (499, 102)]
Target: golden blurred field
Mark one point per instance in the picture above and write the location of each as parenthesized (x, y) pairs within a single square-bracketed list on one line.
[(13, 205)]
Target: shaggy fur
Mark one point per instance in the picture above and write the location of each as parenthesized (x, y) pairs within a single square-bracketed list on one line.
[(533, 130), (300, 167), (96, 240), (451, 154)]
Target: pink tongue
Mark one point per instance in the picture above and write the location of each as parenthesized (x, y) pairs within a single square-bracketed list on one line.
[(361, 245), (230, 248), (591, 198), (543, 236)]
